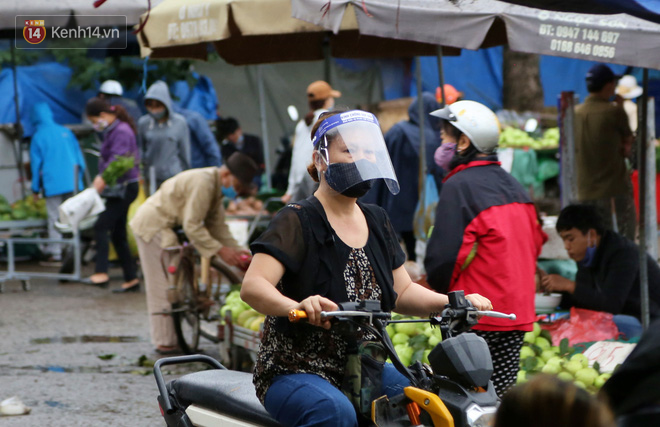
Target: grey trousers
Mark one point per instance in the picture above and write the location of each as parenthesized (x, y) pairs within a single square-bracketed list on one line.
[(52, 205)]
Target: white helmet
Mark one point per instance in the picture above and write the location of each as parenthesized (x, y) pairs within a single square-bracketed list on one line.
[(476, 121), (111, 87)]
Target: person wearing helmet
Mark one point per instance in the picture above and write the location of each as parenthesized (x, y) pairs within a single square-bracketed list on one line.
[(324, 250), (113, 93), (487, 236)]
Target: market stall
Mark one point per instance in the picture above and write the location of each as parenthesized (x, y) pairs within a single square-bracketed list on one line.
[(584, 348), (18, 232), (529, 149), (613, 38), (24, 222)]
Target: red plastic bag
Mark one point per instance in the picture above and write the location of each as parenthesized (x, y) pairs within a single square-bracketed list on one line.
[(583, 326)]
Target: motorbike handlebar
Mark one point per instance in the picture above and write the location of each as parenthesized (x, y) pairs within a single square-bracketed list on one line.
[(490, 313), (296, 315)]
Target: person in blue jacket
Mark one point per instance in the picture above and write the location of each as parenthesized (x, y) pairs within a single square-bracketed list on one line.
[(54, 151), (204, 149)]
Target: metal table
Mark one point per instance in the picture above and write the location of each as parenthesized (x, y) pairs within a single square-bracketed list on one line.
[(262, 218), (8, 228)]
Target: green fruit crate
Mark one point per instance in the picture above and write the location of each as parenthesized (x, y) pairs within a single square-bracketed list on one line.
[(239, 340)]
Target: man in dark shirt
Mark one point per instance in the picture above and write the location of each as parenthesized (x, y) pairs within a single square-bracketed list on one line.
[(232, 139), (603, 141), (608, 268)]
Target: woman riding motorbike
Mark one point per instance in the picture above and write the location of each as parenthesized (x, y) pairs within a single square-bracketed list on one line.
[(325, 250)]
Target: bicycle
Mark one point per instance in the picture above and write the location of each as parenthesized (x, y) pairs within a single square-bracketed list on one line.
[(198, 286)]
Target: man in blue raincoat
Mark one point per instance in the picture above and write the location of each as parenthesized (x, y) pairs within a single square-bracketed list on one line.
[(204, 149), (54, 151)]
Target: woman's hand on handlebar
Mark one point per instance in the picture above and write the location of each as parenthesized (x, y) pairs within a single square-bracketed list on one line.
[(314, 305), (481, 303)]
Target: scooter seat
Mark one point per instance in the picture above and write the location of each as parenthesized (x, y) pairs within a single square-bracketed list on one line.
[(227, 392)]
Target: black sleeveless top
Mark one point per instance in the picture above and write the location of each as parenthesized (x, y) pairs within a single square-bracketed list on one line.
[(317, 262)]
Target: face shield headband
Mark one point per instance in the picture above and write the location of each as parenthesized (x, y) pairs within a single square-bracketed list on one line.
[(340, 119), (353, 147)]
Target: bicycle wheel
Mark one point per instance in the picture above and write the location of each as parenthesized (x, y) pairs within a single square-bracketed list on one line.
[(226, 276), (185, 313)]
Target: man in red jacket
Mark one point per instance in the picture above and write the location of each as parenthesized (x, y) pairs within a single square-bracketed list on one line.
[(486, 237)]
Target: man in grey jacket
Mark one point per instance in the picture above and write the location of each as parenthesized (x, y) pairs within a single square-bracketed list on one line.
[(163, 135)]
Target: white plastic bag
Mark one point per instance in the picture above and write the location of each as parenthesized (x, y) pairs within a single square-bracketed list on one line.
[(84, 204), (13, 406), (239, 231)]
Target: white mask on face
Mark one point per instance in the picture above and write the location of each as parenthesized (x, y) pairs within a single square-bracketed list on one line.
[(100, 125)]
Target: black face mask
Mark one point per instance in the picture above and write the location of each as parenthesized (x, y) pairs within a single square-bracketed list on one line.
[(359, 190), (345, 179)]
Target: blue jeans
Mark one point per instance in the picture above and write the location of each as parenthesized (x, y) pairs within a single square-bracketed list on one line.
[(629, 326), (309, 400)]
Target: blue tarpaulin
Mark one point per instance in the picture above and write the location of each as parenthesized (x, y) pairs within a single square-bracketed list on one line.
[(48, 82), (201, 97), (479, 75), (476, 73), (45, 82)]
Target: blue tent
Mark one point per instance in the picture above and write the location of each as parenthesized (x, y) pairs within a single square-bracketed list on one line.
[(479, 75), (48, 82)]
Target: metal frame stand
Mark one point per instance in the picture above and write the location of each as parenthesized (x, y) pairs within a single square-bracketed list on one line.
[(25, 276)]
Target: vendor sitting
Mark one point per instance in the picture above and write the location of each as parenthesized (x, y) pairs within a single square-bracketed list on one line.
[(608, 270)]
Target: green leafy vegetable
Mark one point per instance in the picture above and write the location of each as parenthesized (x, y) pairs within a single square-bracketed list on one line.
[(117, 168)]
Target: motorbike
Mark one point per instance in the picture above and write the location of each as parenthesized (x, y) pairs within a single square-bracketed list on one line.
[(454, 389)]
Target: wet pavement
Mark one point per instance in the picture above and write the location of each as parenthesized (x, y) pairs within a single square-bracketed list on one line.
[(78, 355)]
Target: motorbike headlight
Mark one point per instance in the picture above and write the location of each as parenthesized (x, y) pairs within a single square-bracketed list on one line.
[(481, 417)]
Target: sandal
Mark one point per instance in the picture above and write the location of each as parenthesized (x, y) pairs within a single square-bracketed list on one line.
[(168, 351)]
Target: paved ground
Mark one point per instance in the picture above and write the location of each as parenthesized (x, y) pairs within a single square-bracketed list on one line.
[(71, 352)]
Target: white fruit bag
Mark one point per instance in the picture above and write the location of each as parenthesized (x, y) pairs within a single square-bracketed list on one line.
[(84, 204)]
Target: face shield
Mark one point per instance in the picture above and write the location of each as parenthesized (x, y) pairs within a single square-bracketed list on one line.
[(352, 146)]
